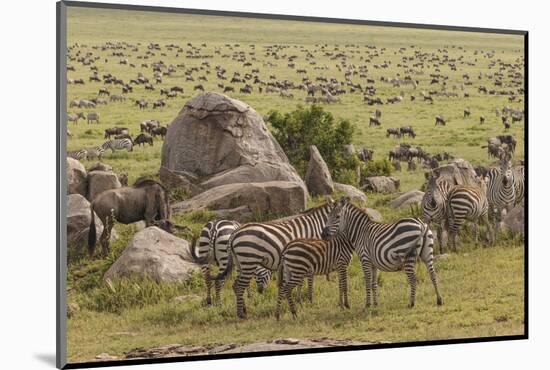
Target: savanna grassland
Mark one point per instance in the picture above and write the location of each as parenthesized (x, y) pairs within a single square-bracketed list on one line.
[(482, 288)]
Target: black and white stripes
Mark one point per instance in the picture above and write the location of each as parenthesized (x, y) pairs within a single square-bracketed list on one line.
[(118, 144), (386, 247), (434, 205)]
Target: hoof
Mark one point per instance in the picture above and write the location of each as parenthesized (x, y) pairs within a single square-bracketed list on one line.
[(411, 305), (208, 301), (347, 306), (439, 301)]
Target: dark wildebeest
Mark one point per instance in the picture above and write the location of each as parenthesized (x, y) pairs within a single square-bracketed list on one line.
[(161, 131), (115, 131), (143, 139), (467, 112), (374, 121), (481, 120), (198, 87), (439, 120), (365, 154), (407, 130), (123, 136), (506, 124), (229, 89), (393, 131), (146, 200)]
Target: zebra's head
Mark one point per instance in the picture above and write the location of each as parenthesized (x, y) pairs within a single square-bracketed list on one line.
[(506, 172), (333, 224)]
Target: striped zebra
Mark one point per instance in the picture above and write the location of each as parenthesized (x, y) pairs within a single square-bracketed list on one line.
[(78, 154), (383, 246), (434, 205), (95, 153), (303, 258), (519, 183), (501, 191), (261, 243), (118, 144), (468, 203), (212, 247)]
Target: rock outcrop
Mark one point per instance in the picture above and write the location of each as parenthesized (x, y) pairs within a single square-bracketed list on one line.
[(318, 178), (77, 181), (99, 181), (381, 184)]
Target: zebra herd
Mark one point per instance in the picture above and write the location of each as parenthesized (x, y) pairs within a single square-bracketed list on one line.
[(449, 207), (316, 242)]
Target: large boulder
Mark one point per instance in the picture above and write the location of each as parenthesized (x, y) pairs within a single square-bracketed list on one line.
[(381, 184), (100, 167), (355, 194), (408, 198), (318, 179), (78, 222), (223, 141), (374, 215), (179, 179), (156, 254), (77, 182), (515, 220), (99, 181), (275, 197), (457, 172)]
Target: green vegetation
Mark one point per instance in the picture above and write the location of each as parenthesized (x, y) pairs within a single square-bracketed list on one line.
[(298, 130), (482, 288)]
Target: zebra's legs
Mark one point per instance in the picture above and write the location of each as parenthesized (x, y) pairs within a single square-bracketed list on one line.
[(208, 281), (427, 258), (310, 287), (281, 294), (241, 283), (367, 271), (217, 288), (374, 286), (410, 263), (288, 293), (299, 293), (343, 286)]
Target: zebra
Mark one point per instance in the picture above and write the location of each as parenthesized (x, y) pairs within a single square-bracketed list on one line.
[(467, 203), (212, 247), (78, 154), (519, 184), (383, 246), (501, 193), (261, 243), (303, 258), (434, 205), (118, 144)]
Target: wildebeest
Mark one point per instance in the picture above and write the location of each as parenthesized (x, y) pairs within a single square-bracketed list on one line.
[(374, 121), (159, 104), (439, 120), (74, 117), (481, 120), (199, 87), (365, 154), (148, 125), (467, 112), (92, 116), (146, 200), (407, 130), (229, 89), (393, 131), (103, 91), (143, 139), (115, 131), (161, 131)]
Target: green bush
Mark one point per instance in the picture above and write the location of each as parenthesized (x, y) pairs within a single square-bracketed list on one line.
[(298, 130), (376, 168)]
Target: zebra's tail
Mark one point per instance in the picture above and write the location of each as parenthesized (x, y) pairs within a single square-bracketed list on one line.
[(91, 232), (198, 260)]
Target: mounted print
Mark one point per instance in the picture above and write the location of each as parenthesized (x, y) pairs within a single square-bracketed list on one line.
[(236, 184)]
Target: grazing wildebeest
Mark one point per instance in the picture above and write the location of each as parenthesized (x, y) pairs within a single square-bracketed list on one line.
[(159, 104), (146, 200), (467, 112), (506, 124), (92, 116), (115, 131), (103, 91), (148, 125), (408, 130), (199, 87), (161, 131), (365, 154), (142, 104), (439, 120), (229, 89), (481, 120), (74, 117), (143, 139), (378, 113), (393, 131), (374, 121)]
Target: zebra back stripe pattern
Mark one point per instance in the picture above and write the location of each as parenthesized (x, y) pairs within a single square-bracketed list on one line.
[(118, 144), (501, 188)]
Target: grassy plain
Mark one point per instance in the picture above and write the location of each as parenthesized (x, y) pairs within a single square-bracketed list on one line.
[(482, 287)]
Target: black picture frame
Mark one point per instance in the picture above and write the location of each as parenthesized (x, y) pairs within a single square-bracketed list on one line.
[(61, 239)]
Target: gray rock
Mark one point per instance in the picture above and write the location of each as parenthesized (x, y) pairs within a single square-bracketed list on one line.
[(99, 181), (355, 194), (179, 179), (514, 220), (318, 178), (78, 222), (408, 198), (222, 141), (381, 184), (77, 182), (275, 197), (374, 215), (100, 167), (457, 172), (157, 254)]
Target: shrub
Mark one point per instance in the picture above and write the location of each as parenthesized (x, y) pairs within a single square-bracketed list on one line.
[(298, 130), (376, 168)]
